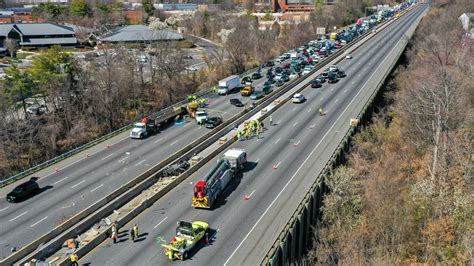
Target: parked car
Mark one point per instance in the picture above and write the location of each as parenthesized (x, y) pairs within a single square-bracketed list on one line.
[(285, 65), (321, 78), (298, 98), (257, 94), (212, 122), (285, 77), (236, 102), (23, 191)]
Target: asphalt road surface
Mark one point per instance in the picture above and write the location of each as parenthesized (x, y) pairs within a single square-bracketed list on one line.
[(75, 183), (284, 163)]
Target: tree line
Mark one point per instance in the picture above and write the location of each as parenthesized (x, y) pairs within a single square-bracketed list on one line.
[(406, 193)]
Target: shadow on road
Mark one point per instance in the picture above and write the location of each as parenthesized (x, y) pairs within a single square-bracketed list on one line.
[(232, 186)]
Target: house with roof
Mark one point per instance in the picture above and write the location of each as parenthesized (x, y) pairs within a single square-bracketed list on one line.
[(139, 34), (37, 34)]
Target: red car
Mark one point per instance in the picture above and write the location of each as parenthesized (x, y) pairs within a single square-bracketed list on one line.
[(338, 46), (285, 65)]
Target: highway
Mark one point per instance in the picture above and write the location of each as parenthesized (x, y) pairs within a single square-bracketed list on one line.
[(77, 182), (284, 163)]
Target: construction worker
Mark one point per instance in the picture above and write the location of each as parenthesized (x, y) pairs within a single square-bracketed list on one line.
[(238, 136), (74, 259), (321, 112), (271, 120), (135, 232), (114, 232)]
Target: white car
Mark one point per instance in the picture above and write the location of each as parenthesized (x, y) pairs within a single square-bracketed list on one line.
[(201, 117), (333, 68), (293, 75), (348, 56), (298, 98)]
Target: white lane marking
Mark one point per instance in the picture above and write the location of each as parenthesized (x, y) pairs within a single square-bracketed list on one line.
[(187, 124), (278, 140), (140, 162), (73, 163), (96, 188), (108, 156), (309, 110), (296, 123), (11, 220), (279, 121), (332, 88), (78, 183), (345, 90), (257, 160), (173, 143), (156, 141), (123, 159), (4, 208), (33, 225), (352, 83), (294, 109), (321, 99), (307, 158), (60, 180), (336, 100), (160, 222), (252, 193)]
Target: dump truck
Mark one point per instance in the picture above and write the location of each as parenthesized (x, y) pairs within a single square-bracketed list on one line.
[(151, 124), (208, 190), (146, 127), (194, 102), (187, 236), (247, 90)]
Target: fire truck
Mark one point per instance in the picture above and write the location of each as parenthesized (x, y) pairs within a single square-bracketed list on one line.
[(208, 190)]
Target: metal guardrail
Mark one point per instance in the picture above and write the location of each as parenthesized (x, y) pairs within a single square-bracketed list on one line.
[(150, 173), (100, 139), (326, 169)]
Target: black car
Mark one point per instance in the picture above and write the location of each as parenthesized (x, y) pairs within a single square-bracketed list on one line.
[(236, 102), (23, 191), (278, 70), (256, 75), (332, 77), (271, 80), (270, 64), (246, 80), (279, 83), (325, 73), (315, 83), (321, 78), (213, 122), (341, 73), (269, 74), (285, 78)]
